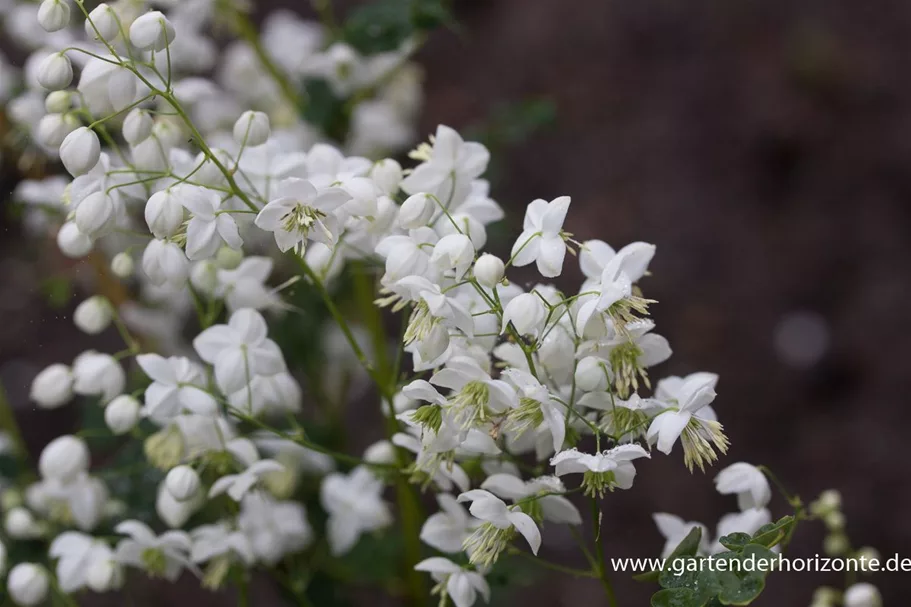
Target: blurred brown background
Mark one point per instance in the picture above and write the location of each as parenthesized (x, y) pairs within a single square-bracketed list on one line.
[(765, 147)]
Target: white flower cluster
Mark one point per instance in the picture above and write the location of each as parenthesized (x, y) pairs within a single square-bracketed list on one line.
[(211, 187)]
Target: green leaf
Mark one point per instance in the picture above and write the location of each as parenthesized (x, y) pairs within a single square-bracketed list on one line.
[(772, 534), (385, 25), (675, 597), (735, 541), (689, 546)]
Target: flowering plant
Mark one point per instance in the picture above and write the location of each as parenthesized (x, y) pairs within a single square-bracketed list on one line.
[(275, 243)]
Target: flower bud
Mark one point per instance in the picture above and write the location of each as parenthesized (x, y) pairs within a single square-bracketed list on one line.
[(173, 512), (104, 575), (73, 243), (54, 15), (252, 129), (228, 259), (20, 524), (165, 448), (53, 128), (463, 223), (102, 21), (434, 343), (591, 374), (52, 387), (489, 270), (164, 214), (835, 544), (182, 483), (63, 458), (98, 374), (387, 174), (93, 315), (27, 583), (58, 102), (862, 595), (527, 314), (122, 265), (137, 126), (416, 211), (122, 414), (151, 31), (204, 277), (80, 151), (164, 262), (55, 72), (94, 214), (453, 252), (867, 554)]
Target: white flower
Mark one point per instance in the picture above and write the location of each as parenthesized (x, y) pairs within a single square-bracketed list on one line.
[(453, 252), (543, 491), (164, 263), (27, 583), (252, 129), (862, 595), (541, 240), (527, 313), (177, 387), (173, 512), (93, 315), (387, 175), (405, 254), (20, 524), (474, 394), (137, 127), (536, 407), (620, 272), (237, 485), (489, 270), (54, 15), (95, 214), (690, 417), (602, 471), (151, 31), (460, 585), (489, 540), (748, 482), (102, 20), (63, 458), (72, 242), (212, 541), (674, 529), (416, 211), (81, 496), (164, 213), (122, 414), (160, 556), (451, 166), (55, 72), (76, 554), (273, 528), (239, 350), (245, 286), (182, 482), (80, 151), (208, 229), (447, 529), (53, 129), (299, 213), (53, 387), (355, 506)]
